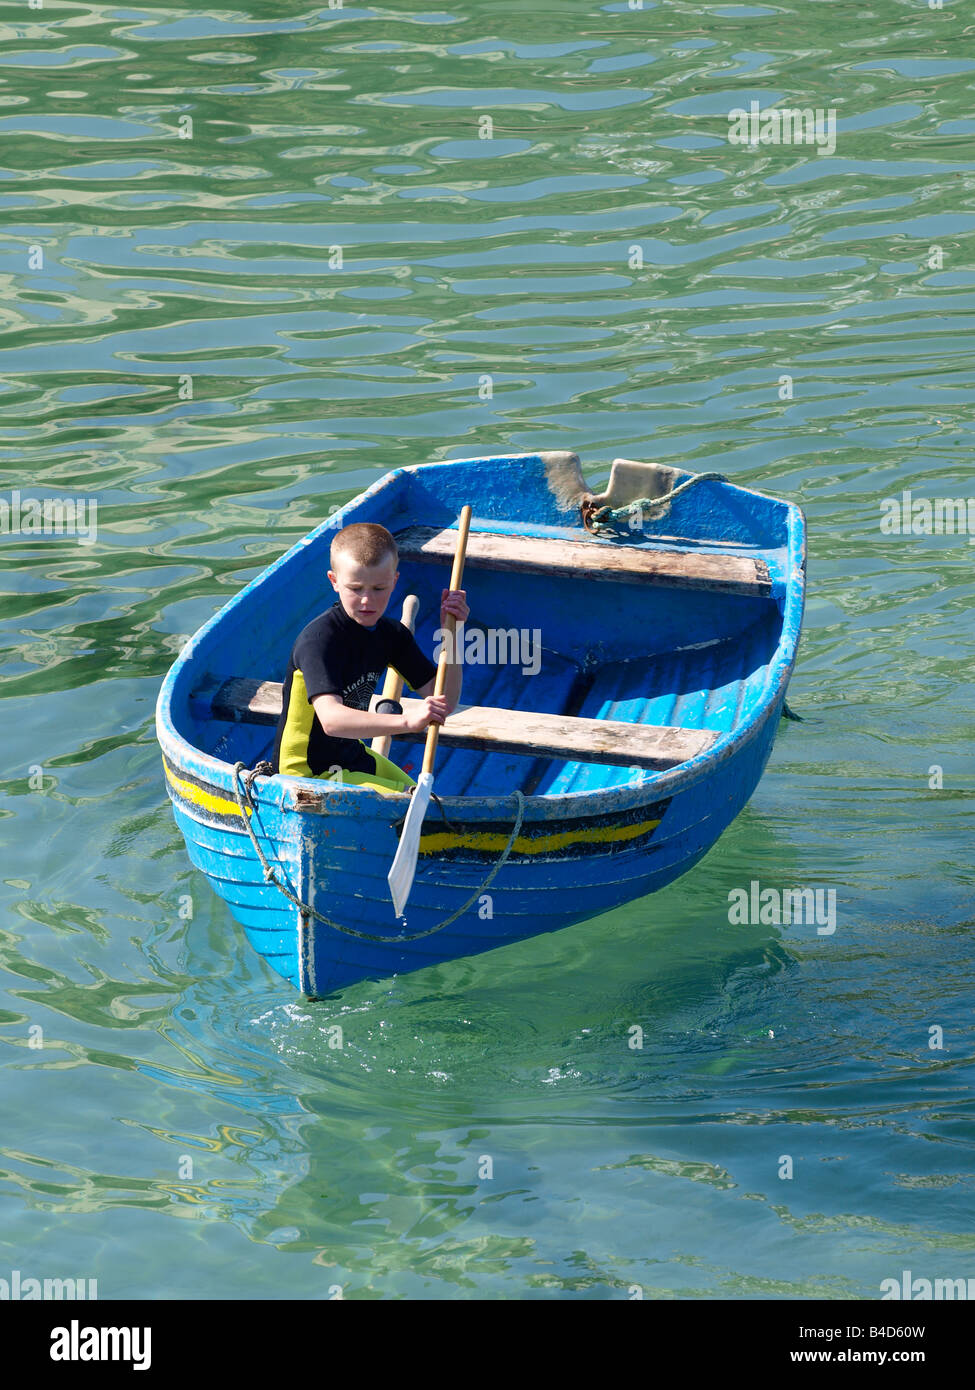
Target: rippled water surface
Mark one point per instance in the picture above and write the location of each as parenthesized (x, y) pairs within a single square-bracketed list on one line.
[(253, 258)]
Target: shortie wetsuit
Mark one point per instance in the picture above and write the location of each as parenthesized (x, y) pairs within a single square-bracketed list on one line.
[(335, 655)]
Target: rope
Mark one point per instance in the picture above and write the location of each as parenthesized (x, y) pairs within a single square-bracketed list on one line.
[(602, 516), (307, 911)]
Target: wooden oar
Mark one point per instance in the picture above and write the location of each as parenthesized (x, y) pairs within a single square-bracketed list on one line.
[(393, 685), (400, 877)]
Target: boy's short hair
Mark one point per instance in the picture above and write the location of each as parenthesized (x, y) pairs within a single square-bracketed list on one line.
[(365, 543)]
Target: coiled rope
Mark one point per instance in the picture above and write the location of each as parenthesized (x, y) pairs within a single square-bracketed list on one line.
[(245, 802), (603, 516)]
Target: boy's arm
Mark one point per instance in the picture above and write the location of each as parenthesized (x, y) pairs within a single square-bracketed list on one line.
[(341, 721)]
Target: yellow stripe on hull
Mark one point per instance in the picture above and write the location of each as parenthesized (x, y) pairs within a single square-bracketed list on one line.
[(494, 842), (189, 791), (484, 841)]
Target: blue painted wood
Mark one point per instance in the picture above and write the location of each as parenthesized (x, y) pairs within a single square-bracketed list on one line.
[(594, 836)]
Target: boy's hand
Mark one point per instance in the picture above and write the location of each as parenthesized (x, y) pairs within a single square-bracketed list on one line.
[(453, 603), (433, 711)]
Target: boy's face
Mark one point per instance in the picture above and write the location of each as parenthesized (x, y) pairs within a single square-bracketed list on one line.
[(364, 590)]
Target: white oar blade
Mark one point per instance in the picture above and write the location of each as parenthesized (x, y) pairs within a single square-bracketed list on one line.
[(400, 876)]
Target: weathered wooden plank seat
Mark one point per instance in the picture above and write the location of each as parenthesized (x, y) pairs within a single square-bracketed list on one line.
[(243, 700), (483, 727), (728, 574)]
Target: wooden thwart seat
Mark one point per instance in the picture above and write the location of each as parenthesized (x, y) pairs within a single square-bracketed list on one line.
[(728, 574), (487, 729), (570, 739)]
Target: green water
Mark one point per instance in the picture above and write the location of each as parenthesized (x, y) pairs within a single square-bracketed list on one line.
[(183, 346)]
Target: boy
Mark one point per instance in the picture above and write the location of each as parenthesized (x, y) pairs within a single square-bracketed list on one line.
[(338, 659)]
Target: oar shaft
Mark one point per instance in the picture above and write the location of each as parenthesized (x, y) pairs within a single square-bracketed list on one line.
[(450, 628), (403, 869), (393, 686)]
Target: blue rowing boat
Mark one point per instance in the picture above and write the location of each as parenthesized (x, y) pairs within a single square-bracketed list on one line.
[(626, 665)]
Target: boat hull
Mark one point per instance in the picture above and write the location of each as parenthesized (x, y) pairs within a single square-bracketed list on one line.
[(335, 862)]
